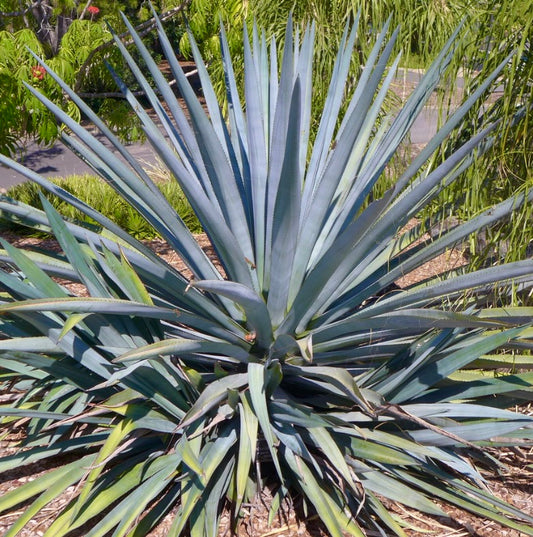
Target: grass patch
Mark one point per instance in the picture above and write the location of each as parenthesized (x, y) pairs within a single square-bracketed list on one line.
[(101, 196)]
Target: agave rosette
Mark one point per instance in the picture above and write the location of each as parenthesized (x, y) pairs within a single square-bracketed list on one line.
[(294, 350)]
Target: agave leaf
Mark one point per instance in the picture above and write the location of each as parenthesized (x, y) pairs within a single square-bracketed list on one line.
[(90, 305), (257, 141), (70, 343), (25, 412), (125, 514), (324, 441), (128, 278), (190, 459), (71, 322), (184, 346), (111, 306), (216, 451), (50, 265), (394, 269), (339, 378), (157, 512), (327, 281), (29, 344), (211, 513), (107, 224), (465, 501), (63, 367), (93, 117), (228, 250), (257, 382), (74, 252), (326, 128), (148, 202), (520, 315), (217, 165), (373, 451), (467, 433), (115, 438), (461, 410), (486, 498), (237, 119), (108, 164), (278, 498), (286, 213), (452, 286), (33, 273), (452, 121), (388, 518), (213, 108), (397, 490), (331, 514), (278, 138), (211, 396), (354, 185), (324, 190), (483, 386), (49, 486), (416, 320), (143, 377), (135, 474), (150, 420), (191, 495), (211, 458), (427, 376), (247, 449)]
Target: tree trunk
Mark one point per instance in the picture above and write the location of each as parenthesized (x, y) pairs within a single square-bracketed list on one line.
[(48, 34)]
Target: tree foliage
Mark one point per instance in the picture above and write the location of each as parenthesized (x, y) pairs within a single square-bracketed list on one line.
[(66, 33)]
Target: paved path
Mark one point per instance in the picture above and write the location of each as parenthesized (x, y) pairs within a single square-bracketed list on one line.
[(59, 161)]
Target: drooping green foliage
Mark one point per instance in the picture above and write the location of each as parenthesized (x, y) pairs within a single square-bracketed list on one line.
[(295, 353)]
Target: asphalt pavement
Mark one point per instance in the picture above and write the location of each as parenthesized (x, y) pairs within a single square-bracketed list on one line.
[(59, 161)]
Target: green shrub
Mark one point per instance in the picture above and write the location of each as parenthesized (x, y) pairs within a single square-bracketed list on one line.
[(297, 360), (102, 197)]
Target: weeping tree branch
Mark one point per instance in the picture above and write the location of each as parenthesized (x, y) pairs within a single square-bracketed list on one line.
[(143, 29)]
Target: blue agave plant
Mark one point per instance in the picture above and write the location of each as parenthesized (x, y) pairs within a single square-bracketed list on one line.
[(174, 391)]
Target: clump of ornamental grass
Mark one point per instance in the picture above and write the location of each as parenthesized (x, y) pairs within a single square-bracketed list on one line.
[(95, 192), (295, 356)]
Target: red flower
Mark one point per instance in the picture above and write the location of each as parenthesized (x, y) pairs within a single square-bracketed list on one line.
[(38, 72), (93, 10)]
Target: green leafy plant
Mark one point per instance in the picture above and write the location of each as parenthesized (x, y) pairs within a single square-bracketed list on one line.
[(295, 362), (73, 38)]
